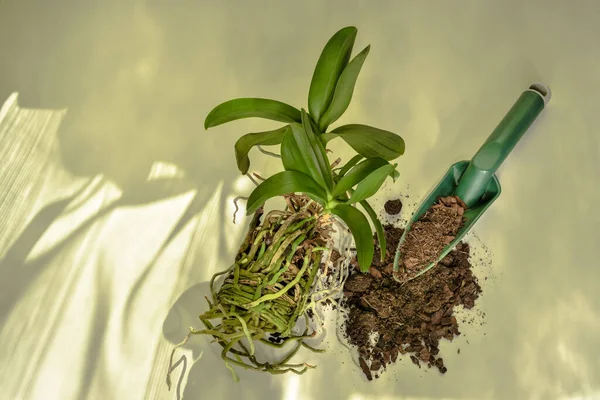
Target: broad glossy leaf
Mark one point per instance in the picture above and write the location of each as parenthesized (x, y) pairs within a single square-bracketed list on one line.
[(331, 63), (361, 231), (369, 141), (343, 90), (251, 108), (378, 228), (318, 150), (371, 184), (283, 183), (246, 142), (291, 156), (357, 174), (297, 155), (353, 161)]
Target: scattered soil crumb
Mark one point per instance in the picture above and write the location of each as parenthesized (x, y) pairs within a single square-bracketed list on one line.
[(408, 319), (429, 235), (393, 207), (365, 368)]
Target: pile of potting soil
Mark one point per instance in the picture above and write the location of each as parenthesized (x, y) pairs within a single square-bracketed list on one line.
[(430, 234), (387, 319)]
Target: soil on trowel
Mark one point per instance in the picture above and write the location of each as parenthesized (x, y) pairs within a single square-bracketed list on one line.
[(388, 320), (393, 207), (429, 235)]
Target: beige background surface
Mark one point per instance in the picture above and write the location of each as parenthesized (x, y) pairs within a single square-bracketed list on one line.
[(95, 255)]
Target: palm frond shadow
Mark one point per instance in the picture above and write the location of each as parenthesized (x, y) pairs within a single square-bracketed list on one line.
[(24, 272), (14, 264), (195, 206), (97, 336)]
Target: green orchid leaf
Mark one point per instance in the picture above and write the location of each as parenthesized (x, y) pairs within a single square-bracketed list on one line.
[(351, 163), (343, 90), (357, 174), (297, 154), (369, 141), (331, 64), (291, 155), (361, 231), (378, 228), (318, 154), (284, 183), (246, 142), (251, 108), (371, 184)]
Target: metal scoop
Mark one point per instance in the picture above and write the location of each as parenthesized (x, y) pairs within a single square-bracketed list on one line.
[(475, 181)]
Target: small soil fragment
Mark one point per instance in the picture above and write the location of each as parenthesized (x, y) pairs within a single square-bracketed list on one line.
[(365, 368), (393, 207), (411, 318), (430, 234)]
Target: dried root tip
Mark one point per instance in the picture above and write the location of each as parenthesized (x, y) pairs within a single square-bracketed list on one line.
[(257, 176), (171, 366), (268, 152), (237, 208), (290, 203), (252, 179)]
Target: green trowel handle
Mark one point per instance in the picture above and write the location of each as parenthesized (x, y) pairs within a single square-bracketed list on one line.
[(493, 152)]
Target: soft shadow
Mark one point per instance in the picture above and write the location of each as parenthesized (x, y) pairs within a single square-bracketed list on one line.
[(98, 333), (23, 273), (195, 206), (13, 265)]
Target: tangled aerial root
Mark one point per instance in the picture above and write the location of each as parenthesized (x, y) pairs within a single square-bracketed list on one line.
[(273, 282)]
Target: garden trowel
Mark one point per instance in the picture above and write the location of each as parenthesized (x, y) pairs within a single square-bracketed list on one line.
[(474, 181)]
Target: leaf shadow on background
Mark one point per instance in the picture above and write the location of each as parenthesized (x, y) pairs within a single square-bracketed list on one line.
[(23, 272), (13, 264), (93, 349), (12, 289), (195, 206)]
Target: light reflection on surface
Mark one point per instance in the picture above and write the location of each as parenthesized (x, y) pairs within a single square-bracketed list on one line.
[(104, 269)]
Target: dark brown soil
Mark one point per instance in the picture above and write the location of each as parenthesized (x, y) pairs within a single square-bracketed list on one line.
[(393, 207), (409, 319), (429, 235)]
